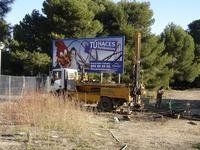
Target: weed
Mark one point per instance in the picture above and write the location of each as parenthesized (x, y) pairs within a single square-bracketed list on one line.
[(196, 146)]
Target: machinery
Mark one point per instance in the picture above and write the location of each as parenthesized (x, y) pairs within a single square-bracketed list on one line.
[(138, 88), (106, 96)]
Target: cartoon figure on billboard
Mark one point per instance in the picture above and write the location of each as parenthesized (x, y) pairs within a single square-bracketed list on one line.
[(62, 54)]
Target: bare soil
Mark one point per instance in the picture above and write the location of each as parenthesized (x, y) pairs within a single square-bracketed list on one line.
[(183, 95)]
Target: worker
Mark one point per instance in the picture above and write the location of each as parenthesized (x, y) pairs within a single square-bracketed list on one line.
[(160, 93)]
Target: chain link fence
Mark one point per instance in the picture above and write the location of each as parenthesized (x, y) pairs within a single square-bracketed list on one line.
[(13, 87)]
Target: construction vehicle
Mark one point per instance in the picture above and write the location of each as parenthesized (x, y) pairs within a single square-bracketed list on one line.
[(106, 96)]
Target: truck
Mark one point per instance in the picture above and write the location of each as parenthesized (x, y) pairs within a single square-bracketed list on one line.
[(107, 96)]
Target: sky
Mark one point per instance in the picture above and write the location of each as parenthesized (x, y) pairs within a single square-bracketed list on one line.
[(180, 12)]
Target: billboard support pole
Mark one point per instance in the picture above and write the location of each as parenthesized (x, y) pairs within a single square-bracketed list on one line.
[(110, 77), (101, 77), (119, 78)]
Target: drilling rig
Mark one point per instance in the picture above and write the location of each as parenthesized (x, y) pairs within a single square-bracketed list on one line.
[(137, 86)]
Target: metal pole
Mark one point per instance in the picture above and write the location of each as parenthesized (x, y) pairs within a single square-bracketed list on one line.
[(136, 69), (1, 48), (0, 61), (138, 49), (101, 77), (119, 78)]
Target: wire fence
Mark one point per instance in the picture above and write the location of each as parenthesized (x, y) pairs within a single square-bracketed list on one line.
[(13, 87)]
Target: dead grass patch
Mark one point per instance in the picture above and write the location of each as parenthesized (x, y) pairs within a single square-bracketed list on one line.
[(45, 111)]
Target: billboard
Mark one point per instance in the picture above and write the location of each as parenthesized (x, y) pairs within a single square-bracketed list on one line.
[(90, 54)]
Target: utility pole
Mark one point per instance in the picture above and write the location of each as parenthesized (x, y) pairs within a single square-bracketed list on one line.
[(1, 48), (136, 68)]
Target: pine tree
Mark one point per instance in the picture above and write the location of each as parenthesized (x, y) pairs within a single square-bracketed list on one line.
[(33, 33), (4, 7), (194, 31), (4, 27), (154, 63), (72, 18), (180, 46)]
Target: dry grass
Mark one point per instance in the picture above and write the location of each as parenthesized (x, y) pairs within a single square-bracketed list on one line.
[(49, 122), (45, 111)]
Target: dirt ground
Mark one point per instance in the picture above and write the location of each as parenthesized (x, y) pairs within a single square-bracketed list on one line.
[(135, 134), (183, 95), (144, 130), (170, 134)]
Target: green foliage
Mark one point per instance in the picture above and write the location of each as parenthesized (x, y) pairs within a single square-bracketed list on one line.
[(194, 30), (4, 27), (125, 18), (4, 7), (180, 46), (139, 15), (154, 69), (38, 62), (33, 33), (155, 72), (4, 30), (128, 67), (25, 63), (72, 18), (112, 17)]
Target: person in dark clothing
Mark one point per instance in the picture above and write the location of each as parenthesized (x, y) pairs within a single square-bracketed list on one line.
[(160, 93)]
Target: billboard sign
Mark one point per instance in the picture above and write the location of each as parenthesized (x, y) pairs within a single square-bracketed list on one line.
[(90, 54)]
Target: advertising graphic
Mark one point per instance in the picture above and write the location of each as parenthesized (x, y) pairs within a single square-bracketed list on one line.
[(90, 54)]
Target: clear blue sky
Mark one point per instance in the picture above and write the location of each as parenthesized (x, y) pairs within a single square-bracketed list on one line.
[(181, 12)]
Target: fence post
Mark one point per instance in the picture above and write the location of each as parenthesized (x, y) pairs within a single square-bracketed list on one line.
[(47, 84), (23, 85), (9, 87)]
